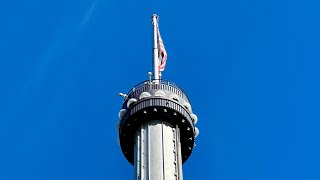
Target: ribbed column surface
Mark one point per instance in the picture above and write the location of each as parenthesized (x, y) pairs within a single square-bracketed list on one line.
[(157, 152)]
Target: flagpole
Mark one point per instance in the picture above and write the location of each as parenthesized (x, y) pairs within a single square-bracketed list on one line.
[(155, 47)]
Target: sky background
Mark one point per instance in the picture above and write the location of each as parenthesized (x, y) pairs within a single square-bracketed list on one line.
[(250, 68)]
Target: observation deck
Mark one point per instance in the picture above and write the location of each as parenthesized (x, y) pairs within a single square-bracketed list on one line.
[(156, 100)]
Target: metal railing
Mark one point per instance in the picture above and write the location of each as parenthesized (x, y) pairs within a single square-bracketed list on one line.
[(157, 82)]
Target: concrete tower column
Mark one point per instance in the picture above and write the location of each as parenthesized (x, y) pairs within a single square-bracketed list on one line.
[(157, 152)]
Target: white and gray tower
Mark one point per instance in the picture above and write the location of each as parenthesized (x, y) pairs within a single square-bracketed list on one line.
[(157, 127)]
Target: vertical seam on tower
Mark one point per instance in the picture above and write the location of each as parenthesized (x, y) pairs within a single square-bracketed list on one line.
[(136, 155), (177, 152), (142, 151), (180, 155), (139, 154), (163, 160), (148, 138)]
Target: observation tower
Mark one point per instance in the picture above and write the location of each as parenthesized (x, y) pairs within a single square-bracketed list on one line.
[(157, 125)]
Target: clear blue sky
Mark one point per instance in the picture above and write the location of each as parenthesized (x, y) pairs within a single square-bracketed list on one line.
[(250, 68)]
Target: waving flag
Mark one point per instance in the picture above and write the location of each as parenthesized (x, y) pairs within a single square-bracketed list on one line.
[(162, 53)]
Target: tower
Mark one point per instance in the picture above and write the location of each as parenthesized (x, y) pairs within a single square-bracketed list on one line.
[(157, 126)]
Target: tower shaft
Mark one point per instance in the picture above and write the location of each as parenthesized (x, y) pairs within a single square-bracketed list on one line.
[(157, 152)]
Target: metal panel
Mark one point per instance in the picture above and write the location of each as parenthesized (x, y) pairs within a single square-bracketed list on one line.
[(156, 152), (169, 152)]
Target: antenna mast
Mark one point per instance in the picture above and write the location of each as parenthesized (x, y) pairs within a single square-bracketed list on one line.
[(155, 47)]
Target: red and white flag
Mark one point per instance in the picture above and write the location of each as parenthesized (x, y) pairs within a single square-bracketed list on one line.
[(162, 53)]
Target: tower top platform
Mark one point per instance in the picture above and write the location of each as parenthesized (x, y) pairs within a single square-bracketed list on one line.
[(156, 100)]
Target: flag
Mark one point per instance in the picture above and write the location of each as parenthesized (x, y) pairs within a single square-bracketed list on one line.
[(162, 53)]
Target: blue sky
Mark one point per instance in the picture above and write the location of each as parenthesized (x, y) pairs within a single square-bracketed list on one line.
[(250, 68)]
